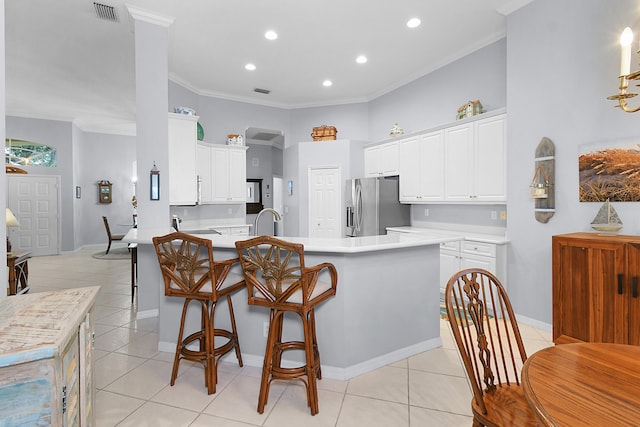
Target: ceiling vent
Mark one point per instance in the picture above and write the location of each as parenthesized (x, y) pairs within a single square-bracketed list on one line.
[(106, 12), (264, 91)]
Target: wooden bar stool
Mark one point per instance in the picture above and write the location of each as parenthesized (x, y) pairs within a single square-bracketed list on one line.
[(277, 278), (189, 271)]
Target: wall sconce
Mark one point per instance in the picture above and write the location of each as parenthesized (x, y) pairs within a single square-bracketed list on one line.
[(625, 73), (540, 184), (11, 221), (154, 181)]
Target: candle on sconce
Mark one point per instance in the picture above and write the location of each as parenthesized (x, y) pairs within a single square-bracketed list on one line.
[(625, 59)]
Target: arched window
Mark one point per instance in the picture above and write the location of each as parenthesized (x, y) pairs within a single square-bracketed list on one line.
[(27, 153)]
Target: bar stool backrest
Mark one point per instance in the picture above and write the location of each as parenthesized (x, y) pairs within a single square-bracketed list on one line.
[(187, 266), (275, 273)]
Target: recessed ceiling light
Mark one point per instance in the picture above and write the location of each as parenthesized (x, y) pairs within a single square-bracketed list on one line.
[(361, 59), (250, 67), (271, 35), (327, 83), (413, 22)]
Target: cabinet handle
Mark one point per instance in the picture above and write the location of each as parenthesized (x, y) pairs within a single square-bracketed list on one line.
[(634, 287), (620, 284)]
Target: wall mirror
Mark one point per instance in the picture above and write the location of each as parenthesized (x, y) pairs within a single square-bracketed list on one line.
[(254, 195)]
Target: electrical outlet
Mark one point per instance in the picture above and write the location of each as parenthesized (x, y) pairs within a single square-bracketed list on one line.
[(230, 211), (426, 211), (494, 215), (503, 215), (265, 329)]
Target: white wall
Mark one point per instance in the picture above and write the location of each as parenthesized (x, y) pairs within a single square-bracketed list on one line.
[(433, 100), (562, 62)]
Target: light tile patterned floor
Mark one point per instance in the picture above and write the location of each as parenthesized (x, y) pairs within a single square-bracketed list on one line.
[(132, 376)]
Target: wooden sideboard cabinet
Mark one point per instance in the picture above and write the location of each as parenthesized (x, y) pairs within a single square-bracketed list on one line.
[(46, 357), (595, 288)]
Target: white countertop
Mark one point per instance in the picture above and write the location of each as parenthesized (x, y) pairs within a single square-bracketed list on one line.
[(498, 239), (327, 245)]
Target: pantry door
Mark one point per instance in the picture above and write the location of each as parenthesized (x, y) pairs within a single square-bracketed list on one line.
[(35, 201), (325, 198)]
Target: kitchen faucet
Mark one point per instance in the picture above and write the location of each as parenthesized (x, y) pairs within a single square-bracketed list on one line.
[(276, 217), (175, 222)]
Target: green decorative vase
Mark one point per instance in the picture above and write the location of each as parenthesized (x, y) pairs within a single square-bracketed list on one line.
[(200, 132)]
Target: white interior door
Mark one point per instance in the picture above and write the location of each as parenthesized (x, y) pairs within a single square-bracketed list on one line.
[(325, 191), (34, 200)]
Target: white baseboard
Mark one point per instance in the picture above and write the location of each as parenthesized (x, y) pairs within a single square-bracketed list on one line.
[(332, 372), (534, 323), (145, 314)]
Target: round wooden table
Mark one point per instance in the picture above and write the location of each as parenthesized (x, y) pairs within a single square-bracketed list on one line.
[(584, 384)]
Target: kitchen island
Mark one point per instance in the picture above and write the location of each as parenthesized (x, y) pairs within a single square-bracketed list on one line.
[(386, 308)]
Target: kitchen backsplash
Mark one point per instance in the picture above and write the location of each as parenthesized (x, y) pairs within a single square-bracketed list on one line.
[(481, 215)]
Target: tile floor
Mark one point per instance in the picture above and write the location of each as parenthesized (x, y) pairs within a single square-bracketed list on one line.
[(132, 377)]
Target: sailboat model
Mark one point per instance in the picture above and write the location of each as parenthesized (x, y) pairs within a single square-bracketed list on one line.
[(607, 219)]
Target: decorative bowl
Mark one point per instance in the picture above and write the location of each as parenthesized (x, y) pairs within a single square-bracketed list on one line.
[(185, 110)]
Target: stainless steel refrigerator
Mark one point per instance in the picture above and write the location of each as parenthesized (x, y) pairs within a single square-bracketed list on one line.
[(372, 206)]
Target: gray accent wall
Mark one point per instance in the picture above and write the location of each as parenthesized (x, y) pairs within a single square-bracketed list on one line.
[(563, 60)]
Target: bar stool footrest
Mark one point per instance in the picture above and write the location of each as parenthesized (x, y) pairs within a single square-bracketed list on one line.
[(280, 372), (199, 355)]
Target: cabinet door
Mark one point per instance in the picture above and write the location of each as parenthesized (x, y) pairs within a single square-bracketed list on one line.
[(490, 160), (70, 384), (204, 170), (458, 168), (182, 159), (381, 160), (431, 168), (220, 174), (372, 161), (449, 265), (421, 168), (410, 174), (87, 387), (389, 159), (237, 175), (633, 265), (475, 261), (589, 298)]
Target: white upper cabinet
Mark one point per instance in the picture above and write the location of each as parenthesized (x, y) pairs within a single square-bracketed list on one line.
[(223, 173), (183, 182), (421, 168), (381, 160), (475, 161)]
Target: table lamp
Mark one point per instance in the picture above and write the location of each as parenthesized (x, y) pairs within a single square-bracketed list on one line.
[(12, 221)]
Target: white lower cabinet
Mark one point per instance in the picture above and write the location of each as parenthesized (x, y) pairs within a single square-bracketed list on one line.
[(449, 261), (459, 255), (222, 171)]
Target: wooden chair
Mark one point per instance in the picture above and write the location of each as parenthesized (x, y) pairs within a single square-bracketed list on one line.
[(487, 335), (278, 279), (189, 271), (111, 237)]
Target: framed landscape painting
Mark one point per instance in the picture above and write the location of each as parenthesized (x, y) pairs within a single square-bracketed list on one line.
[(610, 171)]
